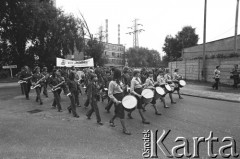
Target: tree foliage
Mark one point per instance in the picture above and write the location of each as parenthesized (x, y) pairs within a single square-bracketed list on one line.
[(143, 57), (95, 50), (29, 28), (185, 38)]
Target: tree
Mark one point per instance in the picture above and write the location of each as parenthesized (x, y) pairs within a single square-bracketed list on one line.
[(95, 50), (143, 57), (173, 46), (29, 28)]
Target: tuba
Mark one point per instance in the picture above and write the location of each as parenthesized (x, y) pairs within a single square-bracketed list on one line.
[(37, 83)]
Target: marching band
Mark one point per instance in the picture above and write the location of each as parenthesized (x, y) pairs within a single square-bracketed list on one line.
[(127, 90)]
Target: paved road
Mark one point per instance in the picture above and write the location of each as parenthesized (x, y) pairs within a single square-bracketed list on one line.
[(49, 134)]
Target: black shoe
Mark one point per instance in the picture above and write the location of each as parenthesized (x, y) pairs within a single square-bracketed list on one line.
[(173, 102), (41, 103), (130, 116), (126, 132), (145, 122), (108, 111), (76, 116), (157, 113), (69, 110), (144, 109), (112, 123), (60, 110), (100, 123), (88, 117)]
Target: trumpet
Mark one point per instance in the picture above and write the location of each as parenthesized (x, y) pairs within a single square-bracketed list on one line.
[(57, 86), (24, 80), (37, 83)]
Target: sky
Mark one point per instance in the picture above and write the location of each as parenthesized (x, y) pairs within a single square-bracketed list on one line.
[(158, 17)]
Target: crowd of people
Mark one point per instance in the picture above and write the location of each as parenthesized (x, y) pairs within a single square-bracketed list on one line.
[(111, 84)]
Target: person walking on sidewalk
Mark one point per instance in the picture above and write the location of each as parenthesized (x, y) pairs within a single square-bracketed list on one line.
[(216, 76), (235, 76)]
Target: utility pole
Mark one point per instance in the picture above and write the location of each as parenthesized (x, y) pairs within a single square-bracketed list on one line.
[(135, 32), (236, 29), (204, 42)]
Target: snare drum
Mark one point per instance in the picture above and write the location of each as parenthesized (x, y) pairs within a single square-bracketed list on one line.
[(168, 88), (160, 92), (129, 102), (182, 83), (147, 95)]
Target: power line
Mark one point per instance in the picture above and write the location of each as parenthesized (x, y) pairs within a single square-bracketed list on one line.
[(135, 31)]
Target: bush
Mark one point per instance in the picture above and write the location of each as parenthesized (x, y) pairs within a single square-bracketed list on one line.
[(4, 74), (233, 55), (220, 56), (212, 57)]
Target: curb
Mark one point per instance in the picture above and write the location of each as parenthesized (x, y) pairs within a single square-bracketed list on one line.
[(212, 98)]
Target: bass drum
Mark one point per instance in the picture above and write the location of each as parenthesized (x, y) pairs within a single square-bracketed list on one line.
[(129, 102), (148, 95)]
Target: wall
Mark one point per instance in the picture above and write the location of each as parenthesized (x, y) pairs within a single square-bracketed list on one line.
[(191, 69), (222, 46)]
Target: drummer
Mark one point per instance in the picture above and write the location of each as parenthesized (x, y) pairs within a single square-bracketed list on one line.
[(177, 77), (136, 89), (126, 79), (151, 85), (162, 82), (115, 92), (168, 80)]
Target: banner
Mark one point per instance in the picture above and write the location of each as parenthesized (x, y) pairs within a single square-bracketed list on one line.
[(69, 63)]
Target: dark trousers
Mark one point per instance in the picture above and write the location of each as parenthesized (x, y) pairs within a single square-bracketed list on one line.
[(109, 105), (27, 89), (86, 102), (22, 88), (76, 97), (56, 100), (45, 89), (215, 85), (72, 107), (235, 81), (94, 108), (38, 91)]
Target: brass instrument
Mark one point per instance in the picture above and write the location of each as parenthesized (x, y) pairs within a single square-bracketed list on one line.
[(37, 83), (21, 81), (57, 86), (24, 80)]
